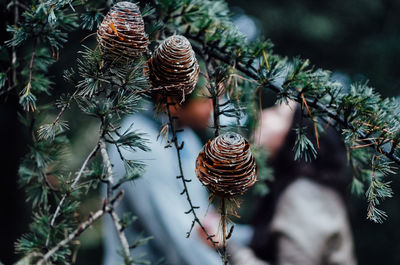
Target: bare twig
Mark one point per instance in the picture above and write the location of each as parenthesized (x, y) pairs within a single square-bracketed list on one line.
[(64, 108), (224, 223), (108, 167), (216, 115), (121, 234), (74, 183), (184, 180), (107, 208), (32, 60), (110, 181)]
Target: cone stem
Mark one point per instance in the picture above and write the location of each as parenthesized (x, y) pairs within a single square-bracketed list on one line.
[(216, 115)]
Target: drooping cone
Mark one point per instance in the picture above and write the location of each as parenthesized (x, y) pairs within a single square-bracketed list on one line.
[(174, 67), (226, 166), (121, 34)]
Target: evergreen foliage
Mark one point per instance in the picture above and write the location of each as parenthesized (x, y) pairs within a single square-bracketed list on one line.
[(107, 91)]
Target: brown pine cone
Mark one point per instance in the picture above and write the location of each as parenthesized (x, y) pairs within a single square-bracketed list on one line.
[(174, 67), (226, 166), (121, 33)]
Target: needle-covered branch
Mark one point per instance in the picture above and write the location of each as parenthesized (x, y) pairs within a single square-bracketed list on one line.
[(108, 207), (75, 182)]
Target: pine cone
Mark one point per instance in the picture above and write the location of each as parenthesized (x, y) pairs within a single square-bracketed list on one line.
[(121, 33), (174, 67), (226, 166)]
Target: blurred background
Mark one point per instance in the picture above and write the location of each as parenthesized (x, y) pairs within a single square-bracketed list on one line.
[(356, 39)]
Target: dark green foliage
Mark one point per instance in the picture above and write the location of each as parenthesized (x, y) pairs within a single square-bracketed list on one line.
[(91, 18), (46, 24), (3, 78), (34, 242), (19, 36), (44, 160), (303, 147)]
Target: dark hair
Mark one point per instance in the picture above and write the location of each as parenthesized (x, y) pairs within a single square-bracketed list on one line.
[(329, 169)]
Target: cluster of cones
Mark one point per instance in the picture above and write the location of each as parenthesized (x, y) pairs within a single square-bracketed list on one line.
[(173, 65), (225, 165)]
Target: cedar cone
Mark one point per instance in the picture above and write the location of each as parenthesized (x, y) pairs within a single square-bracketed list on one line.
[(226, 166), (174, 67), (121, 33)]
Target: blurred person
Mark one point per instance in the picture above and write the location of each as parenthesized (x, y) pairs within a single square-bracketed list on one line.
[(155, 197), (303, 220)]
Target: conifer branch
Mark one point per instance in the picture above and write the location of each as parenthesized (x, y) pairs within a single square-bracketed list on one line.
[(225, 57), (105, 92), (107, 208), (74, 183)]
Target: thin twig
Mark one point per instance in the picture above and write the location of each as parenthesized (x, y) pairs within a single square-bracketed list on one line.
[(75, 182), (63, 109), (224, 223), (107, 165), (31, 62), (185, 180), (108, 207), (110, 181), (121, 234), (8, 89), (17, 3), (216, 116)]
